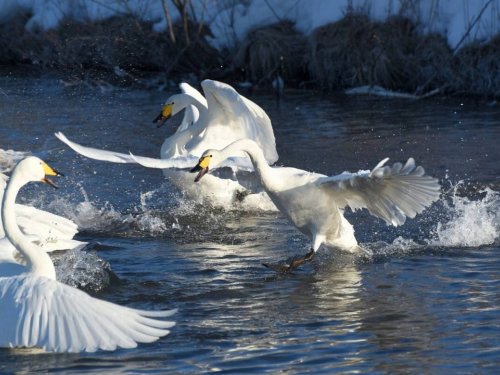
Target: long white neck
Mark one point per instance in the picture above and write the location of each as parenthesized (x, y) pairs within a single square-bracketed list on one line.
[(263, 170), (175, 144), (38, 262), (201, 106)]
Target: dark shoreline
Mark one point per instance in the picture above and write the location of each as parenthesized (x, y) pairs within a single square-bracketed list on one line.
[(353, 52)]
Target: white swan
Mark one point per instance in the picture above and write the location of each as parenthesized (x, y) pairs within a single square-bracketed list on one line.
[(38, 311), (215, 121), (314, 203)]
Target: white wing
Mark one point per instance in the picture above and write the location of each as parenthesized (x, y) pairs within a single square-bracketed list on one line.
[(189, 161), (95, 153), (44, 224), (40, 312), (390, 193), (181, 162), (187, 89), (50, 231), (247, 118), (191, 114)]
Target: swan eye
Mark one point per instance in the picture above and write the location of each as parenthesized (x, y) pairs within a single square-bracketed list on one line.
[(210, 155)]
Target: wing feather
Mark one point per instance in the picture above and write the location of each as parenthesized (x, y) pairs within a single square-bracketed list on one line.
[(390, 193), (39, 312), (252, 120), (95, 153), (182, 162)]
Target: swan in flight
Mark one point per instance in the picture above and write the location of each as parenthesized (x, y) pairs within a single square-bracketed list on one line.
[(314, 203), (214, 121), (38, 311)]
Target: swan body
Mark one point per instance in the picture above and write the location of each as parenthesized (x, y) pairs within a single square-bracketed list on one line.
[(38, 311), (314, 203), (215, 120)]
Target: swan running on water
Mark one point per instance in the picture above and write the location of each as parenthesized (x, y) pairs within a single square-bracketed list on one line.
[(214, 121), (38, 311), (314, 203)]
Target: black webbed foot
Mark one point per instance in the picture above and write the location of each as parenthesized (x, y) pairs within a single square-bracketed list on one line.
[(289, 266)]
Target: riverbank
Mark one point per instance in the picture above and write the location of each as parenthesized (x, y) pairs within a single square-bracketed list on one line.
[(354, 51)]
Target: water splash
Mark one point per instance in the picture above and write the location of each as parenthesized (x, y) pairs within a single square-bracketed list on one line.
[(9, 159), (470, 222), (455, 221), (83, 270), (95, 217), (146, 219), (88, 216)]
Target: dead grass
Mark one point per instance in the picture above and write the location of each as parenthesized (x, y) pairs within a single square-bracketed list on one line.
[(102, 47), (354, 51), (477, 68), (271, 50)]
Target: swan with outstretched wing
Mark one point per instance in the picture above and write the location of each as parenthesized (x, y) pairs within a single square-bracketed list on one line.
[(38, 311), (211, 121), (315, 203)]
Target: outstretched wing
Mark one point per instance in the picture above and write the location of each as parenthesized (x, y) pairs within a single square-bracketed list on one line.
[(181, 162), (115, 157), (40, 312), (95, 153), (390, 193), (248, 119), (189, 161)]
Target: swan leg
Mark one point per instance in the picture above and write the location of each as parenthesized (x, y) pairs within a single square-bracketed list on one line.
[(287, 268)]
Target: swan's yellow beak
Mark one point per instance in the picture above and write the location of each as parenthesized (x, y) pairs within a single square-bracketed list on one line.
[(165, 114), (49, 171), (201, 167)]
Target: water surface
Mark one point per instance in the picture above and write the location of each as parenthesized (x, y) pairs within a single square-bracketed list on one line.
[(427, 301)]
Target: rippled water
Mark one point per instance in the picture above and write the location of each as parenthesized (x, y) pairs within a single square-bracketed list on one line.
[(427, 302)]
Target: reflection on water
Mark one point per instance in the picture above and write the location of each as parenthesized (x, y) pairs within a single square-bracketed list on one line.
[(426, 301)]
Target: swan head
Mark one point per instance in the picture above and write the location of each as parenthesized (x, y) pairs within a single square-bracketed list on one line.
[(209, 157), (174, 105), (33, 169)]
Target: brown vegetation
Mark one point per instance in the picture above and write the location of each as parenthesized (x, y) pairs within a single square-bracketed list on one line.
[(354, 51), (120, 44), (271, 50)]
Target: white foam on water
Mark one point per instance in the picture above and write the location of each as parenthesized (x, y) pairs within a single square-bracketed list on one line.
[(87, 215), (463, 222), (471, 223), (146, 220), (92, 216), (9, 159)]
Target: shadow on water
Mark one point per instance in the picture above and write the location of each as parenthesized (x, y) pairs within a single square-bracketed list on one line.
[(426, 300)]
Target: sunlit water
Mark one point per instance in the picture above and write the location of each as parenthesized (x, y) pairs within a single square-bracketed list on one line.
[(427, 301)]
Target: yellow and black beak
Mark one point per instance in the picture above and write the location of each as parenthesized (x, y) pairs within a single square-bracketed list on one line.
[(201, 167), (49, 171), (164, 115)]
